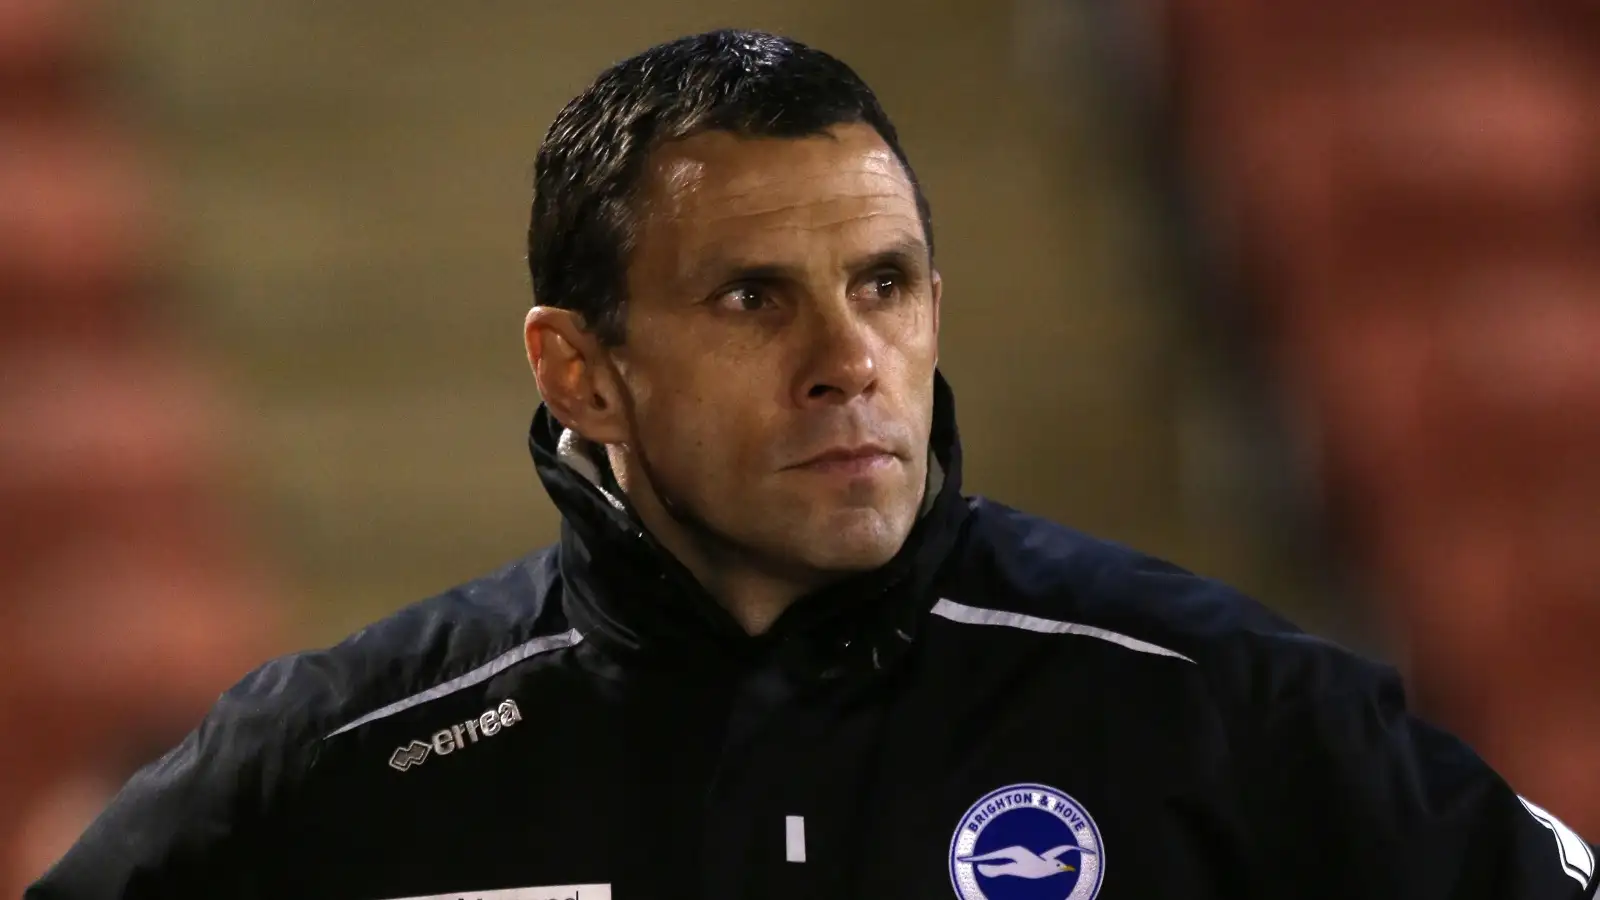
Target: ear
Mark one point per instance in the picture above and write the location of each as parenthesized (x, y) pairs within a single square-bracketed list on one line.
[(574, 375), (938, 293)]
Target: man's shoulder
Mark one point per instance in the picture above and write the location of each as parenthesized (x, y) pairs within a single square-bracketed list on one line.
[(1033, 566), (313, 693), (1026, 566), (211, 802)]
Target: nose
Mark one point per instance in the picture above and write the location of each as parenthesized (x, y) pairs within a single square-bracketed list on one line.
[(841, 362)]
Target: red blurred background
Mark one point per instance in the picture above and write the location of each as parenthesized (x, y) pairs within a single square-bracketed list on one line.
[(1407, 202), (129, 596)]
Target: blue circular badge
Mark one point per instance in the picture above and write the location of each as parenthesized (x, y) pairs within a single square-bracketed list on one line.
[(1027, 842)]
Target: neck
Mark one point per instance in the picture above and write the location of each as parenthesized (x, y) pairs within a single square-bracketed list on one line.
[(753, 598), (754, 594)]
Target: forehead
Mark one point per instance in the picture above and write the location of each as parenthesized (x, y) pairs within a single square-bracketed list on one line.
[(717, 186)]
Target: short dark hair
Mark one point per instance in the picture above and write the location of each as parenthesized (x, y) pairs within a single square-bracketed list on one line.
[(586, 177)]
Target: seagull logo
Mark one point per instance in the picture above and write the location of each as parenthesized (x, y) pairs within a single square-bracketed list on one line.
[(995, 853), (1020, 862)]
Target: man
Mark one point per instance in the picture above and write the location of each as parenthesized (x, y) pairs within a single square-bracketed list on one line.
[(777, 654)]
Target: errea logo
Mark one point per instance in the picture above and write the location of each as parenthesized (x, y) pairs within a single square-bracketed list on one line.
[(413, 754), (449, 740)]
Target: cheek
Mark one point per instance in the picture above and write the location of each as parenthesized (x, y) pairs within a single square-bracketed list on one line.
[(696, 440), (911, 354), (914, 335), (698, 402)]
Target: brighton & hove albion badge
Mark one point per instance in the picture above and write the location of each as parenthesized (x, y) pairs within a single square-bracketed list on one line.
[(1027, 842)]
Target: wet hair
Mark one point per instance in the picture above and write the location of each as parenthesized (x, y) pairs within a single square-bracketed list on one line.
[(587, 173)]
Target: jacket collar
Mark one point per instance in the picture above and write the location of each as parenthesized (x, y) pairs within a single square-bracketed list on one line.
[(623, 590)]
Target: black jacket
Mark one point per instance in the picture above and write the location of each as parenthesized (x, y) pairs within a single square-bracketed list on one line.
[(1008, 709)]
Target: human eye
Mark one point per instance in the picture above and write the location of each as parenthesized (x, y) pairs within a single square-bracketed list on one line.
[(884, 287), (743, 298)]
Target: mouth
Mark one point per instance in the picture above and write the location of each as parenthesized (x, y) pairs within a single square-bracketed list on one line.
[(860, 459)]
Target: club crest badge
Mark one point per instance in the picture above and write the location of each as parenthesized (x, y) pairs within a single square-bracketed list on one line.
[(1027, 842)]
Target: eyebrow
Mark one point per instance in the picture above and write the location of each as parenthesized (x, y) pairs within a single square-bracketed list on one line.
[(906, 251)]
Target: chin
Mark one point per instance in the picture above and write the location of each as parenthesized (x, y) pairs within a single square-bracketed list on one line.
[(855, 542)]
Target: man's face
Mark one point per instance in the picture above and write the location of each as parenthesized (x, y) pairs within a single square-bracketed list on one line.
[(782, 327)]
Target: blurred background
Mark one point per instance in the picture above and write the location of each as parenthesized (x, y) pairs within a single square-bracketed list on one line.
[(1303, 298)]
